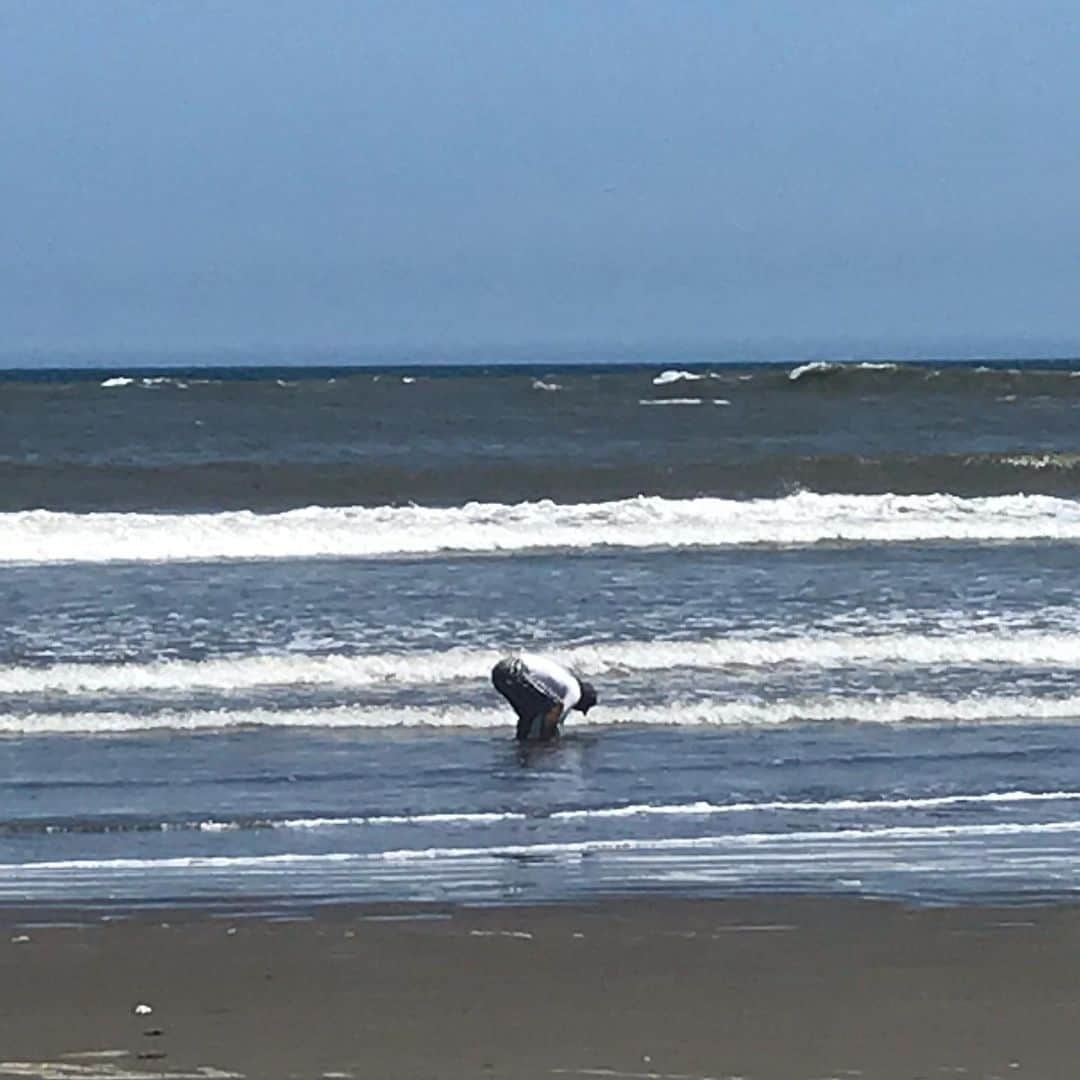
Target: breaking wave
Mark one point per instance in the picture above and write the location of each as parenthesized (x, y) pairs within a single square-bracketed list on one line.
[(1014, 649), (819, 368), (672, 375), (740, 712), (42, 536)]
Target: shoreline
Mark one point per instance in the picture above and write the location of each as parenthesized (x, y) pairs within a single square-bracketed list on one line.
[(759, 987)]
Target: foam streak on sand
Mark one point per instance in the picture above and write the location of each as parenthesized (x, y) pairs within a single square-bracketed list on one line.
[(41, 536), (1005, 647), (803, 845), (67, 1070)]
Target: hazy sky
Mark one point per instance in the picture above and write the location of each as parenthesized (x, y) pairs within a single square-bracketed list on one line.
[(184, 174)]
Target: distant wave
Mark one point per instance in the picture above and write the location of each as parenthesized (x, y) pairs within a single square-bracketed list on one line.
[(1006, 647), (277, 486), (820, 368), (146, 382), (41, 536), (673, 376), (743, 712), (826, 376), (1040, 460), (842, 375)]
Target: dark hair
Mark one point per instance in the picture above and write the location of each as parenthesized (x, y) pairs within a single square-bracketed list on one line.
[(588, 697)]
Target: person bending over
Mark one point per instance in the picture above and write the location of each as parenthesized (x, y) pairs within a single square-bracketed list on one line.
[(541, 692)]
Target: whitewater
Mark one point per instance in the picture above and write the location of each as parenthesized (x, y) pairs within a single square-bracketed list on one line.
[(1005, 646), (644, 522)]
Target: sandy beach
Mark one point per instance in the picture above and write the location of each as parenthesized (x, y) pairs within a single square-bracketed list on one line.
[(783, 988)]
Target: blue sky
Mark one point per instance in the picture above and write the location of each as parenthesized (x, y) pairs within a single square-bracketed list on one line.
[(390, 175)]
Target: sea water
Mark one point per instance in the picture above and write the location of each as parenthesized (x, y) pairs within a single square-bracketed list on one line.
[(249, 617)]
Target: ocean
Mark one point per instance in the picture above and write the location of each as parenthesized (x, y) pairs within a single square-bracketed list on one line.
[(249, 617)]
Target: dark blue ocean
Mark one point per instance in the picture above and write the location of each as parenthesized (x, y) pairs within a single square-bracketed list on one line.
[(248, 618)]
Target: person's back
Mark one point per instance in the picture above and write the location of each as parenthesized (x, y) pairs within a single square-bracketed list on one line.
[(541, 691)]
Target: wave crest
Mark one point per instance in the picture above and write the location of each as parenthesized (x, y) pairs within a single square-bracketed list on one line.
[(742, 712), (43, 536), (1007, 647)]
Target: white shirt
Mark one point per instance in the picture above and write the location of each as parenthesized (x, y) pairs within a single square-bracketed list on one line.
[(551, 679)]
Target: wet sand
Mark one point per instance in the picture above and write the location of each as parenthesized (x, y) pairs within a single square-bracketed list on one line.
[(756, 988)]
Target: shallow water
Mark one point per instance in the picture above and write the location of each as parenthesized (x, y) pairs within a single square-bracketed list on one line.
[(854, 678)]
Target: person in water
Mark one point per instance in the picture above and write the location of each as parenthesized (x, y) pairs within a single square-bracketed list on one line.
[(541, 692)]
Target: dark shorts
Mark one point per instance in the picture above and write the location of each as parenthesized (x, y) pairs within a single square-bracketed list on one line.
[(529, 703)]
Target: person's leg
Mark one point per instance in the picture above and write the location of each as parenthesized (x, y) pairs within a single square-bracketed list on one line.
[(526, 700)]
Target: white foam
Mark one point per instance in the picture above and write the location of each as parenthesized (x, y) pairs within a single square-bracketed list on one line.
[(698, 809), (670, 401), (817, 367), (148, 382), (1063, 461), (43, 536), (72, 1070), (677, 810), (857, 836), (830, 367), (179, 384), (742, 712), (672, 375), (883, 709), (1004, 647), (227, 719), (249, 672), (853, 837), (802, 839), (476, 818)]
